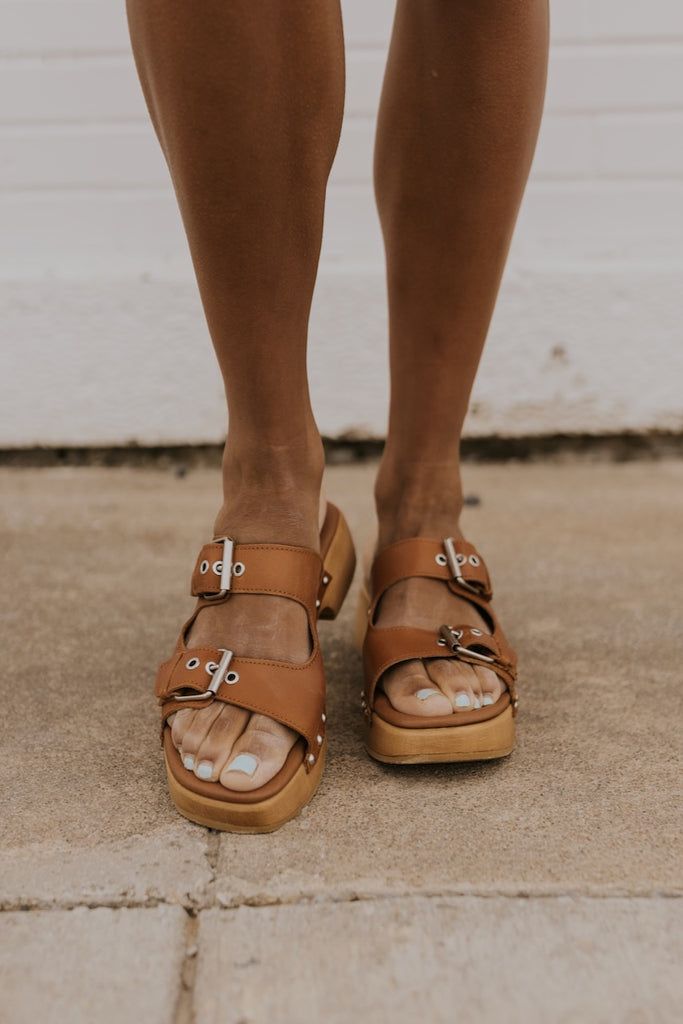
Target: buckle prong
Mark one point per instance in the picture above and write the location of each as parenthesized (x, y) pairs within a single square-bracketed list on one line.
[(217, 677), (452, 638), (226, 568), (454, 565)]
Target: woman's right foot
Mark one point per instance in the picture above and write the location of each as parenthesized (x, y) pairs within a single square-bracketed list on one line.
[(224, 743)]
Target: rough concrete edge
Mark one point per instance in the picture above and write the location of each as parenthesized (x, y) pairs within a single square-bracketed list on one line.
[(354, 894), (616, 447)]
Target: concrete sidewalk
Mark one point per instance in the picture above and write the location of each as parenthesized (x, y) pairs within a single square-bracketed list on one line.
[(536, 889)]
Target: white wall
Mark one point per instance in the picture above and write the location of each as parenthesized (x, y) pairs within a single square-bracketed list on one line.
[(101, 326)]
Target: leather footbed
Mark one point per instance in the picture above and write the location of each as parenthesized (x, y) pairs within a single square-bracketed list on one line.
[(398, 718)]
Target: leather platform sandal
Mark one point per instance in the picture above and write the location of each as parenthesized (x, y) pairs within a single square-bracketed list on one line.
[(293, 694), (397, 738)]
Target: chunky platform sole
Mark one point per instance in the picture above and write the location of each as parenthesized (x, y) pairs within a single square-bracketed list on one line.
[(263, 816), (480, 741), (267, 815)]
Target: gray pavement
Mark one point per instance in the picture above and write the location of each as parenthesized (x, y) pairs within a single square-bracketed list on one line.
[(542, 888)]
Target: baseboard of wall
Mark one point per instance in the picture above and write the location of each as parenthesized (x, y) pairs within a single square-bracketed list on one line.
[(624, 447)]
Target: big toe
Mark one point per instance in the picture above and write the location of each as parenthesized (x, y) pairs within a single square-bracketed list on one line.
[(258, 755), (411, 691)]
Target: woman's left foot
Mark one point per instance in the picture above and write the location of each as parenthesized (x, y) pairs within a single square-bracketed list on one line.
[(435, 686), (424, 500)]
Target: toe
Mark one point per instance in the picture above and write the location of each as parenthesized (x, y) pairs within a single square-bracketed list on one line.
[(195, 732), (457, 681), (411, 691), (216, 747), (179, 723), (257, 755), (491, 686)]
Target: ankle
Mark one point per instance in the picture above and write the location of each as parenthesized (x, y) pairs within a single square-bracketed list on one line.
[(272, 492), (417, 499)]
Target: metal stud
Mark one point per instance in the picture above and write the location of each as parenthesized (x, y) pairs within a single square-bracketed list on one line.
[(323, 717), (317, 604), (326, 580), (441, 642), (311, 758), (319, 739)]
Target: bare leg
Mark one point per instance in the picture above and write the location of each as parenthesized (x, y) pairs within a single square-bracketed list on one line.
[(458, 122), (247, 99)]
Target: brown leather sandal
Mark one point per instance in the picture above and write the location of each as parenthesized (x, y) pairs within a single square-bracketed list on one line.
[(293, 694), (481, 734)]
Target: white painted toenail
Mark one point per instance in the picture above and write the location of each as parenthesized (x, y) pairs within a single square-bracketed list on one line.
[(188, 761), (476, 702), (204, 770), (426, 694), (487, 699), (462, 700), (245, 763)]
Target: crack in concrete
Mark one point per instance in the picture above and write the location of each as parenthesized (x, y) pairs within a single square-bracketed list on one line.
[(184, 1008), (213, 846), (194, 909)]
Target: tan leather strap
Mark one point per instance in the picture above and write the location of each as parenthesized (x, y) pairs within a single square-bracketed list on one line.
[(279, 569), (384, 648), (455, 561), (291, 694), (460, 566)]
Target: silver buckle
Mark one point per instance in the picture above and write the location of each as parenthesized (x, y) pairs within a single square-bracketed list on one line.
[(217, 677), (454, 565), (226, 568), (452, 638)]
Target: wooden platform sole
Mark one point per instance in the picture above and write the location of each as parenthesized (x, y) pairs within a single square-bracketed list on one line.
[(264, 816), (480, 741)]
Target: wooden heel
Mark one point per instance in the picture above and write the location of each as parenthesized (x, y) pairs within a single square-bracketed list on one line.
[(361, 622), (339, 564)]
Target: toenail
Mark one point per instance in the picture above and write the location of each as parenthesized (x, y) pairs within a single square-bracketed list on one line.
[(245, 763), (426, 694), (188, 761), (487, 699), (476, 702), (205, 770), (462, 700)]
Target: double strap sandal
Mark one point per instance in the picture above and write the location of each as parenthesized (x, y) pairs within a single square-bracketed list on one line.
[(293, 694), (480, 734)]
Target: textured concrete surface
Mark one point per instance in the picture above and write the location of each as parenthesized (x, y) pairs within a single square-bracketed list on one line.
[(583, 820), (442, 960), (86, 966)]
